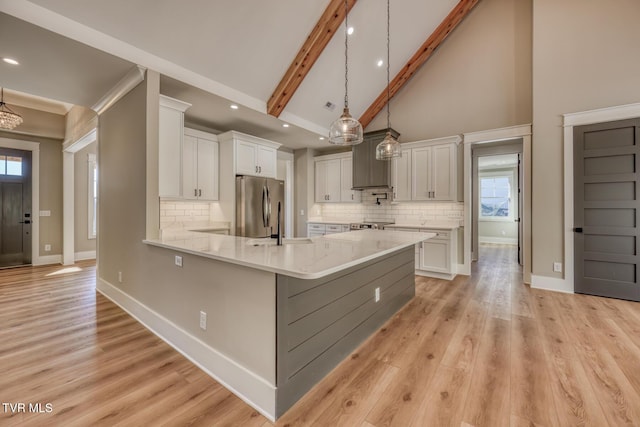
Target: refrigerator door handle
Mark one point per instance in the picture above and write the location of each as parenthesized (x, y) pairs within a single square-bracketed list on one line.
[(268, 208), (265, 219)]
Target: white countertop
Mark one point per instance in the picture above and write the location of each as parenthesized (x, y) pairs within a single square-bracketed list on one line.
[(431, 225), (322, 256)]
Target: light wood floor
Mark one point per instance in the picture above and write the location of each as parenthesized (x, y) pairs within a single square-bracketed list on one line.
[(483, 350)]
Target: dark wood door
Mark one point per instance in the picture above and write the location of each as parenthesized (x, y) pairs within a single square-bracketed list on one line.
[(606, 164)]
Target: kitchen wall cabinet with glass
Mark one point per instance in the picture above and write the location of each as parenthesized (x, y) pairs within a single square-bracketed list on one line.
[(426, 171), (333, 179)]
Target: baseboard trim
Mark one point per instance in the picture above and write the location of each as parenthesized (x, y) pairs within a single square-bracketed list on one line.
[(80, 256), (48, 260), (551, 284), (254, 390)]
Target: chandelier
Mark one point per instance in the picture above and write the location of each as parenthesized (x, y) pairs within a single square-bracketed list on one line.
[(346, 130), (8, 119), (389, 148)]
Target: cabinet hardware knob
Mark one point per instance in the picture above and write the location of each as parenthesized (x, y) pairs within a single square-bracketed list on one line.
[(199, 193), (195, 192)]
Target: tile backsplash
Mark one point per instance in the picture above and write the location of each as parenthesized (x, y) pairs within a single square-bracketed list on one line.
[(180, 214), (387, 211)]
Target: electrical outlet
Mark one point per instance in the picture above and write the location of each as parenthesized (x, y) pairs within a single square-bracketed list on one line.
[(47, 248), (203, 320), (178, 260), (120, 276), (557, 267), (377, 294), (301, 212)]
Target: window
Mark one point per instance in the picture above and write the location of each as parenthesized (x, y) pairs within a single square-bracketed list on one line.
[(93, 196), (496, 196), (11, 165)]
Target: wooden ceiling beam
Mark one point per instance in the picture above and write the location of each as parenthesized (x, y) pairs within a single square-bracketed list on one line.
[(310, 51), (418, 59)]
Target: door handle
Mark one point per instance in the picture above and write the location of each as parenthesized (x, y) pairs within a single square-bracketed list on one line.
[(578, 229), (265, 220), (195, 192), (199, 193)]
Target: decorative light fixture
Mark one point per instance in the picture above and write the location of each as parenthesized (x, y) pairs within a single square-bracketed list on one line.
[(346, 130), (389, 147), (8, 119)]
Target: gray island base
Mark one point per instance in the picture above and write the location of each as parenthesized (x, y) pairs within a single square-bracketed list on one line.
[(278, 318)]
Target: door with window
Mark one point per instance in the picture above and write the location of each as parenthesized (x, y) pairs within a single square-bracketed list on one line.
[(15, 207), (606, 165)]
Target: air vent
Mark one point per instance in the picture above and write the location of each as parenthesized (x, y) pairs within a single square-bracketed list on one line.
[(330, 106)]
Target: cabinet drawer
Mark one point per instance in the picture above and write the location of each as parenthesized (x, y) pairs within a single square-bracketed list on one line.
[(439, 234), (316, 227), (333, 228)]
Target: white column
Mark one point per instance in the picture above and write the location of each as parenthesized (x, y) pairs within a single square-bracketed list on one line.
[(68, 212)]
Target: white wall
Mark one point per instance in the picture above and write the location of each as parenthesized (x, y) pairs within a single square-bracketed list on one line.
[(585, 56)]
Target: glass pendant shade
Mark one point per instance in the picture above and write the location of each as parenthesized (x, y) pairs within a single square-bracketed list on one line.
[(8, 119), (388, 148), (345, 130)]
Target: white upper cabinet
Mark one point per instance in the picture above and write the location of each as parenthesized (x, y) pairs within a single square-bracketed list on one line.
[(401, 176), (346, 181), (199, 165), (333, 179), (426, 171), (170, 134), (252, 156)]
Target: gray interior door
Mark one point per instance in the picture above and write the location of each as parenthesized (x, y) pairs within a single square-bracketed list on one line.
[(606, 209), (520, 210)]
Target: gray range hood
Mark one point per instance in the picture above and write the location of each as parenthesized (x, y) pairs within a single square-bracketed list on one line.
[(367, 171)]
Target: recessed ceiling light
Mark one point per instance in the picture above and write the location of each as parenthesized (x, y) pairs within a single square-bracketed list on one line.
[(285, 125), (10, 61), (233, 106), (380, 63), (350, 30), (321, 138)]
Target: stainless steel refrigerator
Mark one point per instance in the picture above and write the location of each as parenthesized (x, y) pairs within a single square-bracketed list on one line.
[(257, 206)]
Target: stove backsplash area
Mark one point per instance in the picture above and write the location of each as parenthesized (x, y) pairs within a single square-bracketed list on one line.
[(399, 212)]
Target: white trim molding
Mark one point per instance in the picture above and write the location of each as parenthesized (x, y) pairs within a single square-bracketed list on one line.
[(81, 256), (571, 120), (253, 389), (48, 260), (133, 78), (551, 284), (495, 135)]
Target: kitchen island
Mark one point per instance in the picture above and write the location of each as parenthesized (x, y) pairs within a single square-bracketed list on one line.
[(279, 317)]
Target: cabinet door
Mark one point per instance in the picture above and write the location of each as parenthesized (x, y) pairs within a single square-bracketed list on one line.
[(346, 180), (207, 170), (443, 173), (189, 167), (434, 256), (246, 158), (170, 151), (267, 161), (333, 180), (320, 179), (401, 176), (421, 169)]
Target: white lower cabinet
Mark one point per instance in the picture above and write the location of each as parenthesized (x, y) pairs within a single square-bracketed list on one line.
[(437, 256), (320, 229)]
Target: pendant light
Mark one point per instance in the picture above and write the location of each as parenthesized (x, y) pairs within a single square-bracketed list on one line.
[(389, 147), (8, 119), (346, 130)]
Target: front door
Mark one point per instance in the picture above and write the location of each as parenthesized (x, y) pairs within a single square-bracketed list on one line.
[(15, 207), (606, 166)]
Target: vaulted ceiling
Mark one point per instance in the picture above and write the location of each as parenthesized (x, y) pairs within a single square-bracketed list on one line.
[(219, 52)]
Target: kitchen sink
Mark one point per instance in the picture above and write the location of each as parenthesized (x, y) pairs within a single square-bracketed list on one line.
[(273, 242)]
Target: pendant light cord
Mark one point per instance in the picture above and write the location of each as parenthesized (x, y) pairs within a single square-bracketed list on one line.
[(388, 89), (346, 56)]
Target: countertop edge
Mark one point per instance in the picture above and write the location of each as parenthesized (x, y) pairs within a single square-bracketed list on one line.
[(275, 270)]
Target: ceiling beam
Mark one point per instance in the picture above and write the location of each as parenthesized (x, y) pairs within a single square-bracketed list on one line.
[(310, 51), (418, 59)]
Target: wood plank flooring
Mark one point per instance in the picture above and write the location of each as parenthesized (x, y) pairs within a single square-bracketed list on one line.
[(483, 350)]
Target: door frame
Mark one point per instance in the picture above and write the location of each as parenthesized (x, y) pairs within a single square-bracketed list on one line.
[(34, 148), (571, 120), (470, 139)]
